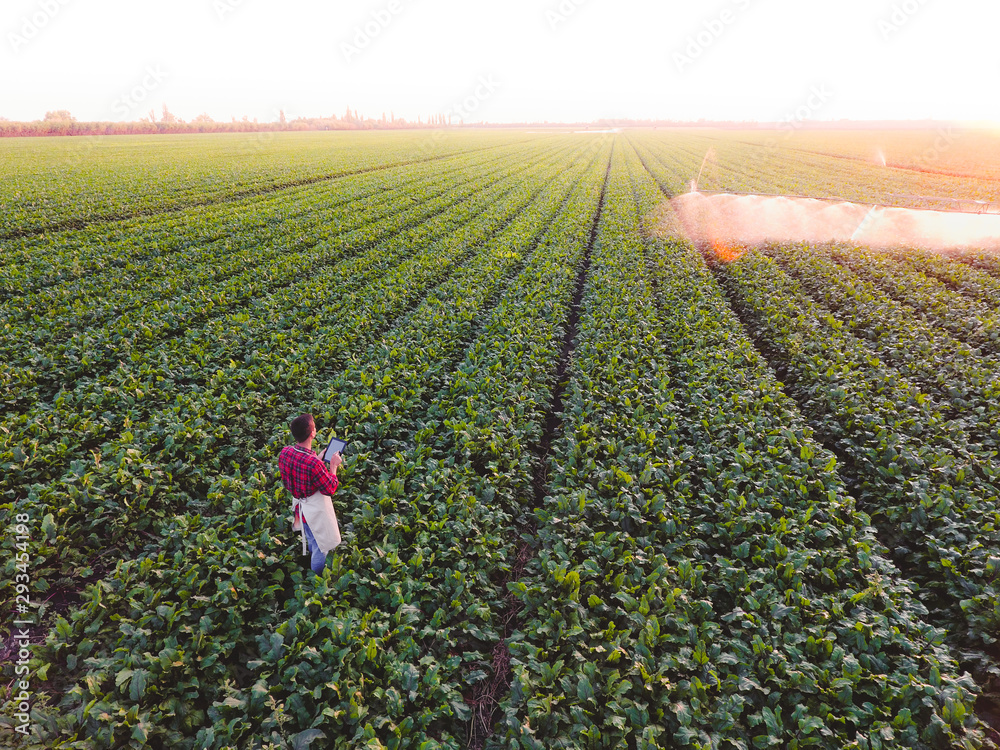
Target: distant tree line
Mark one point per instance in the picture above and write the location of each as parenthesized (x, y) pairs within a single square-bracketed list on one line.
[(61, 122)]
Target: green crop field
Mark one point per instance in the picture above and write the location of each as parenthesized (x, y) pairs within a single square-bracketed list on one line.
[(604, 489)]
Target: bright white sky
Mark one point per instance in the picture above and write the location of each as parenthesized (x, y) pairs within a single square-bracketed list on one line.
[(555, 60)]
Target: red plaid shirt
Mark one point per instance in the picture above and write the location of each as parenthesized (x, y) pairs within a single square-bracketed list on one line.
[(303, 472)]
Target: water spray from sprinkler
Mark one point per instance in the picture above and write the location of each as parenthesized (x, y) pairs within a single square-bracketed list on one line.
[(727, 222), (708, 154), (870, 217)]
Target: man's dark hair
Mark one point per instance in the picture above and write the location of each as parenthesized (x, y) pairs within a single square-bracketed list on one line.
[(301, 427)]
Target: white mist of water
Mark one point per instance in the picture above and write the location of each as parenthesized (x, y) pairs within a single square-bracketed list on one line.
[(746, 220), (710, 154), (880, 155)]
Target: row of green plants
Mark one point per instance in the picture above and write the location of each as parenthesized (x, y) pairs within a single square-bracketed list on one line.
[(966, 277), (148, 460), (973, 321), (983, 260), (377, 653), (753, 162), (671, 170), (964, 384), (39, 444), (48, 182), (704, 578), (51, 271), (931, 492), (594, 594), (463, 471), (42, 359), (734, 166), (70, 273)]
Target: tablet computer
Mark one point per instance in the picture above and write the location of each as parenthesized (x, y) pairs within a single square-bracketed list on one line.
[(334, 446)]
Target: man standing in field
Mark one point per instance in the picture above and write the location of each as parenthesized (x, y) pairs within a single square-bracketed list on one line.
[(311, 485)]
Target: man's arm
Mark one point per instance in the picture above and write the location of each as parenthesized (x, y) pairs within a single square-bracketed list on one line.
[(327, 480)]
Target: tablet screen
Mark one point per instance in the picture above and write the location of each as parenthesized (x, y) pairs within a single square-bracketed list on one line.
[(335, 446)]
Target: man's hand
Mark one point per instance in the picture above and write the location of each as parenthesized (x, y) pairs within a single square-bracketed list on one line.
[(335, 462)]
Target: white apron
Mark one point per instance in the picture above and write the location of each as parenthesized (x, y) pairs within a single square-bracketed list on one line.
[(317, 509)]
